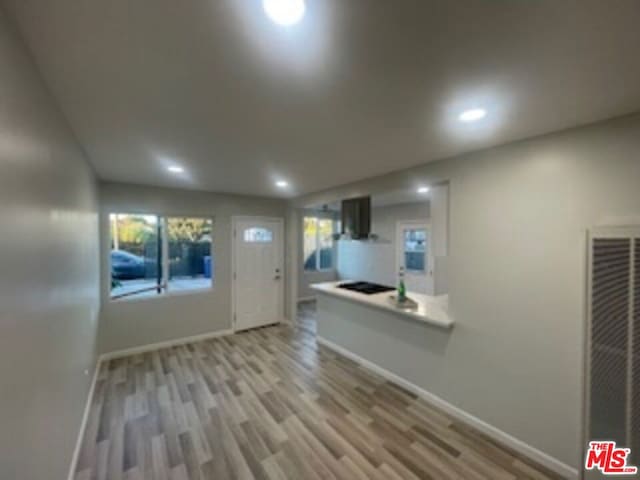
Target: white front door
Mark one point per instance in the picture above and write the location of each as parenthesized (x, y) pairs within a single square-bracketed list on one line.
[(258, 272), (413, 253)]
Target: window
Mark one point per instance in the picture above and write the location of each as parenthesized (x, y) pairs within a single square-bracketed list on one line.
[(318, 243), (258, 235), (415, 253), (190, 259), (152, 255)]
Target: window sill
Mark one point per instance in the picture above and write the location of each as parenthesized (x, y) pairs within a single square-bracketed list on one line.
[(312, 272), (151, 298)]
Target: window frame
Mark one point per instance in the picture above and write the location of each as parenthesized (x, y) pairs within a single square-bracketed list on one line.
[(164, 266), (317, 268), (416, 224), (425, 253)]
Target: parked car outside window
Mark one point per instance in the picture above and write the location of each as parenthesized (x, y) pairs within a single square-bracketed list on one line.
[(127, 266)]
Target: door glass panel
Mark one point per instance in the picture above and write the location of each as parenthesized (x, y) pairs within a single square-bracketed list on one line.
[(258, 235), (415, 249)]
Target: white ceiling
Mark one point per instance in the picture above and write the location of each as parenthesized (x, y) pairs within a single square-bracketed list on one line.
[(358, 88)]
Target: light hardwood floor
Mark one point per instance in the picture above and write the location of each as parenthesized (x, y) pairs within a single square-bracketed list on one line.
[(272, 404)]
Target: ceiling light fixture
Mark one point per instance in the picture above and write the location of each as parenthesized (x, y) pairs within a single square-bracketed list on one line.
[(281, 184), (175, 169), (284, 12), (472, 115), (423, 190)]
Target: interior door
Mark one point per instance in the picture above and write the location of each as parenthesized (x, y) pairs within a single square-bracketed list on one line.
[(414, 256), (258, 272)]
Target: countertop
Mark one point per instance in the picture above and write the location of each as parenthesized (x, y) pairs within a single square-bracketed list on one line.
[(429, 309)]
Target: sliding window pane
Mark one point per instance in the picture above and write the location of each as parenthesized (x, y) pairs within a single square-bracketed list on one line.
[(191, 261), (135, 256), (310, 243), (325, 231)]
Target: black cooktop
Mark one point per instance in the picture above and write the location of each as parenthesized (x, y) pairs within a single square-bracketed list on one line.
[(365, 287)]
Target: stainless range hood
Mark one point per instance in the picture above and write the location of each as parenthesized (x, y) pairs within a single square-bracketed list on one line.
[(356, 218)]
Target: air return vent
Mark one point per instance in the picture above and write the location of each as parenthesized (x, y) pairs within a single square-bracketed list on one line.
[(609, 338), (635, 353), (613, 364)]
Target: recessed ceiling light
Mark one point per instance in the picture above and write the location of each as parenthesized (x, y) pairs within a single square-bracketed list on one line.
[(175, 169), (284, 12), (282, 184), (423, 190), (472, 115)]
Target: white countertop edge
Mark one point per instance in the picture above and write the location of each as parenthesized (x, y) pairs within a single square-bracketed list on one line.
[(430, 309)]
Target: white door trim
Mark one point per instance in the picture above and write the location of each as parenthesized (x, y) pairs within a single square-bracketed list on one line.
[(258, 218)]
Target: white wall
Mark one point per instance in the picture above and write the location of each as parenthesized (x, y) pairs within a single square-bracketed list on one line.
[(519, 215), (133, 322), (440, 238), (309, 278), (49, 298), (375, 261)]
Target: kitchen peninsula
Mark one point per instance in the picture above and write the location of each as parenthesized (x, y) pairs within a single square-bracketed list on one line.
[(407, 346), (432, 310)]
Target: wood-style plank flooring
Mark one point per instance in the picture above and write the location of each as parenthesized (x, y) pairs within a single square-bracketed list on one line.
[(272, 404)]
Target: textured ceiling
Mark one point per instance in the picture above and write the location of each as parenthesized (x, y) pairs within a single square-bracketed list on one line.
[(357, 89)]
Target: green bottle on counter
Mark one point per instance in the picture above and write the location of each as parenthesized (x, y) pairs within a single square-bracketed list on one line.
[(402, 290)]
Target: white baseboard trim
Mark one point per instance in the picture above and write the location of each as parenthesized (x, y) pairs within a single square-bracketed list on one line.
[(306, 299), (83, 423), (169, 343), (495, 433)]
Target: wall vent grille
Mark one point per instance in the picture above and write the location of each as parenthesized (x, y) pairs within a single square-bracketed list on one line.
[(612, 385), (635, 354), (610, 305)]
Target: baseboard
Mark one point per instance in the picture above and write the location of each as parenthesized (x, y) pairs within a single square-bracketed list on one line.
[(306, 299), (169, 343), (496, 434), (83, 423)]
